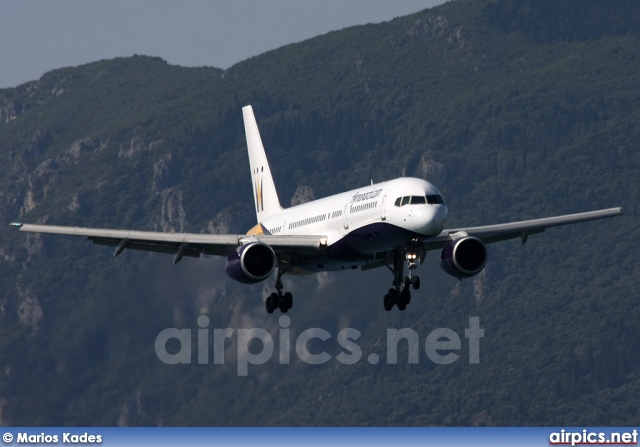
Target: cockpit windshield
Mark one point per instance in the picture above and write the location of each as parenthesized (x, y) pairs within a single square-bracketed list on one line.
[(435, 199), (431, 199)]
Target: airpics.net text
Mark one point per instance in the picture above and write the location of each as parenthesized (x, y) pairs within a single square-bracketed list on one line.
[(440, 345)]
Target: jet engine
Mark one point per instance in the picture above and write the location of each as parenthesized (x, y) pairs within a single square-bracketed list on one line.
[(464, 257), (251, 263)]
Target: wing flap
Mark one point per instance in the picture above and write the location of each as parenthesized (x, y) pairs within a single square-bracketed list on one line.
[(166, 248), (300, 245)]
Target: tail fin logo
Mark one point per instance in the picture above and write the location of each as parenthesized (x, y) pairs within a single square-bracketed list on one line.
[(259, 200)]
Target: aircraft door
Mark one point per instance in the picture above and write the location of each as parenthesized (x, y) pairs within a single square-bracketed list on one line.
[(383, 205), (345, 217)]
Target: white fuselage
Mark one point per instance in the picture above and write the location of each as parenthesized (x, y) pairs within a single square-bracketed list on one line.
[(365, 221)]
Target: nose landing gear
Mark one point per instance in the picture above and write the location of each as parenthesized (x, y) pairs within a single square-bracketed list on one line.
[(400, 294)]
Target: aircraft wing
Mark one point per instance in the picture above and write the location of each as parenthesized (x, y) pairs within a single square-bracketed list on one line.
[(184, 244), (501, 232)]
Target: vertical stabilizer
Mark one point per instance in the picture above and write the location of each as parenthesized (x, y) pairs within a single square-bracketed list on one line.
[(264, 190)]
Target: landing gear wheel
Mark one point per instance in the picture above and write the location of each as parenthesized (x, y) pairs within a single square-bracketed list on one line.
[(393, 297), (415, 282), (388, 305), (288, 300), (406, 294), (390, 299), (279, 300), (285, 302), (271, 303), (281, 304), (404, 299)]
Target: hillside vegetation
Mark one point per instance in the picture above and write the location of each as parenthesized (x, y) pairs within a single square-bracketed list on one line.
[(515, 109)]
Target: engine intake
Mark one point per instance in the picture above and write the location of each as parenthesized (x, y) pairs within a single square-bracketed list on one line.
[(251, 263), (464, 257)]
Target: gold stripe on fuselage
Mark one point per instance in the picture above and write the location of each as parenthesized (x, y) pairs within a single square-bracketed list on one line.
[(257, 230)]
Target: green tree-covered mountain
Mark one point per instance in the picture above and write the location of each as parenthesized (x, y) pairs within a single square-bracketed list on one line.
[(515, 109)]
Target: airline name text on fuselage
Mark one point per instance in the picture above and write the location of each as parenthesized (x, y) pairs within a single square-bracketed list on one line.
[(365, 196)]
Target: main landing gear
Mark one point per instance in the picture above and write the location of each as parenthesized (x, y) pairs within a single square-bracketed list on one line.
[(400, 294), (278, 300)]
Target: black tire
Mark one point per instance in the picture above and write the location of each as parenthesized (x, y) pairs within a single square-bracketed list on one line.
[(269, 305), (288, 300), (415, 282), (405, 297), (388, 305), (393, 296), (402, 305), (406, 282)]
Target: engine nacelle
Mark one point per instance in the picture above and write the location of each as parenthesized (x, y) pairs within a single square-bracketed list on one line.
[(464, 257), (251, 263)]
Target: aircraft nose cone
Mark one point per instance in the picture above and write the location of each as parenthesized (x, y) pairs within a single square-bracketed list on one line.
[(430, 219)]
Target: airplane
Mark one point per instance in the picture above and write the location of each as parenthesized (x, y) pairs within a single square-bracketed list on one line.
[(391, 224)]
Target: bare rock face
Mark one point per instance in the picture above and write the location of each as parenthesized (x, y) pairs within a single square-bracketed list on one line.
[(10, 111), (173, 218), (437, 28), (86, 145), (75, 203), (29, 310), (40, 178), (431, 170), (29, 203), (131, 410), (302, 195), (138, 143), (220, 224), (162, 174)]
